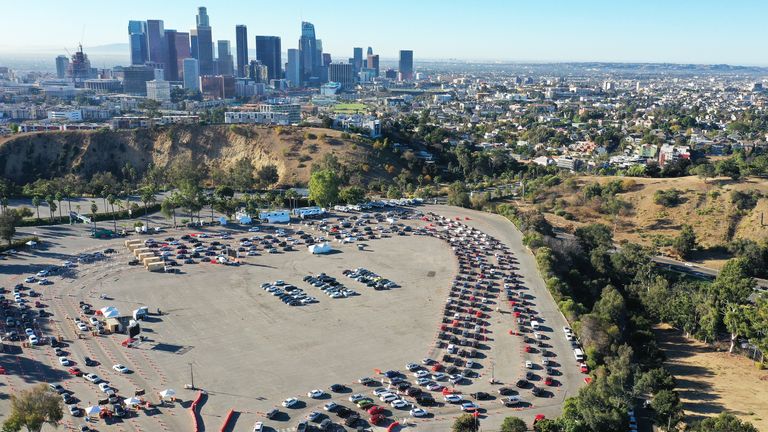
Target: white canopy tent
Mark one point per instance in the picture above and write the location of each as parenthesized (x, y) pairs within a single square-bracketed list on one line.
[(93, 410), (167, 393), (110, 312), (320, 248)]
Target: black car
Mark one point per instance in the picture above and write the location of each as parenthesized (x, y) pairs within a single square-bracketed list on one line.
[(351, 420), (521, 383), (133, 262), (536, 391), (480, 395), (338, 388), (89, 362)]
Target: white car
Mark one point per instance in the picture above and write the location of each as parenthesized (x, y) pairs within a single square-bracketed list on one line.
[(399, 404), (421, 374), (315, 394), (330, 406), (423, 381), (452, 398), (434, 387), (258, 427), (82, 327), (92, 378), (63, 361), (290, 402), (314, 415), (104, 387), (93, 320), (528, 364), (388, 397), (427, 361), (120, 368), (469, 406), (439, 376), (30, 279), (412, 366), (253, 229), (42, 273), (33, 340), (381, 391), (29, 332), (419, 412), (567, 330), (356, 397)]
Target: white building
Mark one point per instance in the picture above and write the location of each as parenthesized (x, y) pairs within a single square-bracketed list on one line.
[(256, 117), (159, 90), (71, 115)]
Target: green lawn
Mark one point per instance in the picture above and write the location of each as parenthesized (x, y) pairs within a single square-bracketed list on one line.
[(349, 108)]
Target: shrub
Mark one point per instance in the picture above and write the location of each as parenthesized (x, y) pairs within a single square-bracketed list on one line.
[(667, 198)]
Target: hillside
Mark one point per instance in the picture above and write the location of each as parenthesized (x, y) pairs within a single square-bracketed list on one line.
[(26, 157), (705, 206)]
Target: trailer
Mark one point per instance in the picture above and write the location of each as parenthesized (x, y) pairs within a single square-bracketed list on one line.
[(275, 216)]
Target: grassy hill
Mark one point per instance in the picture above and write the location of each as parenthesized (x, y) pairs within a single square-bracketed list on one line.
[(709, 207), (26, 157)]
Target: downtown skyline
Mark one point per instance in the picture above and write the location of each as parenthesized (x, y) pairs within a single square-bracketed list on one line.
[(686, 32)]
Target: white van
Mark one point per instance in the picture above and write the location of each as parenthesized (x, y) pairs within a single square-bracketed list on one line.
[(535, 325), (579, 354)]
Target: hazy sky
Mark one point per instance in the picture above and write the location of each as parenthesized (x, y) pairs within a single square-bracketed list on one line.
[(682, 31)]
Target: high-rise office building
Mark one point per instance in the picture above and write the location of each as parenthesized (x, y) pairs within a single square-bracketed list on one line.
[(373, 63), (191, 74), (406, 65), (204, 42), (258, 72), (172, 64), (156, 41), (309, 58), (193, 45), (293, 67), (135, 79), (62, 62), (79, 69), (224, 62), (368, 53), (342, 73), (241, 48), (357, 58), (137, 40), (268, 52), (182, 52)]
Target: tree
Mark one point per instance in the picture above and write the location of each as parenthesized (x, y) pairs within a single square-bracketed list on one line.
[(729, 168), (725, 422), (8, 222), (147, 197), (324, 187), (352, 195), (668, 410), (170, 204), (36, 201), (59, 197), (458, 196), (705, 171), (465, 423), (94, 210), (593, 236), (267, 175), (685, 242), (513, 424), (655, 380), (33, 408), (111, 199)]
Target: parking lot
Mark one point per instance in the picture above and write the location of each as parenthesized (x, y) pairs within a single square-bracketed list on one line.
[(250, 351)]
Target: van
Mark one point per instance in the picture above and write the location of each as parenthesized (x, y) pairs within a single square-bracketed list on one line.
[(579, 354), (535, 325)]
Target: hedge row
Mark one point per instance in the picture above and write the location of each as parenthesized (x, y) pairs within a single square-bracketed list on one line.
[(17, 244), (121, 214)]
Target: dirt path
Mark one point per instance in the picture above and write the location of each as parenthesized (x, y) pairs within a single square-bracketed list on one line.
[(711, 382)]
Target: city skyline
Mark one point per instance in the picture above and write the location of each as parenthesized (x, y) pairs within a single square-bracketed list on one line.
[(553, 31)]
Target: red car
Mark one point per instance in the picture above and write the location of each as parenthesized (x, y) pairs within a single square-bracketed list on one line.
[(375, 419), (75, 371), (38, 304), (437, 367), (527, 348), (584, 368), (375, 410), (548, 381)]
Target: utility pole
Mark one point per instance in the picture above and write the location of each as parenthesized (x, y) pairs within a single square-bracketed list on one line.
[(191, 375)]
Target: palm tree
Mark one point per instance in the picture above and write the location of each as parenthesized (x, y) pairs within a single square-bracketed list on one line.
[(111, 200), (36, 201), (51, 205), (147, 197), (58, 198), (94, 210)]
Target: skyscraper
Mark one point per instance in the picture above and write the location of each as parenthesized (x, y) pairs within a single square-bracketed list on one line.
[(309, 58), (62, 63), (191, 74), (194, 51), (172, 64), (293, 67), (373, 64), (137, 39), (182, 52), (269, 54), (79, 69), (224, 61), (357, 58), (342, 73), (406, 65), (241, 47), (204, 42), (156, 41)]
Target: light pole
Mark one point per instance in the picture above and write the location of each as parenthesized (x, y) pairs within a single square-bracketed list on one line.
[(191, 375)]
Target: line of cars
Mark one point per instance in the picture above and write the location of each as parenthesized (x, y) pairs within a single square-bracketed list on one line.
[(287, 293), (330, 286), (369, 279)]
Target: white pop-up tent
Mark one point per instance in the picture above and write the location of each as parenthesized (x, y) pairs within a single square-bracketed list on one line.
[(110, 312), (320, 248), (93, 410)]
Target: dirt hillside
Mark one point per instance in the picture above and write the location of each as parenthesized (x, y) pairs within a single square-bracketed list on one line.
[(26, 157)]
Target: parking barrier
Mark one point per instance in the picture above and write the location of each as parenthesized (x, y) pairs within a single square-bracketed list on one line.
[(227, 419)]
